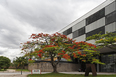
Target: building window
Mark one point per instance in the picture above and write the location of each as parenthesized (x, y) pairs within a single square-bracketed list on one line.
[(79, 32), (95, 16), (109, 61), (65, 32), (96, 31), (75, 34), (68, 31), (111, 18)]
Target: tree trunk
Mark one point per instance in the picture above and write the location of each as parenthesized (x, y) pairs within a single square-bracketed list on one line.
[(54, 64), (55, 69)]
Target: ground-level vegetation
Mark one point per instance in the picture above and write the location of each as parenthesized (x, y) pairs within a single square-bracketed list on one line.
[(66, 75)]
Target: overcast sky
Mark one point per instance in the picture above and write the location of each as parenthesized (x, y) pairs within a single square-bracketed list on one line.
[(20, 18)]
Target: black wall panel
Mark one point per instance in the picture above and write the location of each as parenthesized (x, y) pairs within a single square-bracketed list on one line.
[(95, 16), (68, 31), (79, 32), (111, 18), (96, 31)]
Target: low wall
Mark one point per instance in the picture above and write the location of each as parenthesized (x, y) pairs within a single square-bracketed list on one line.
[(61, 67)]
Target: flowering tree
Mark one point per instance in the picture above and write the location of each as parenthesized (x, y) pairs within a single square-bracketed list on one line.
[(48, 46), (86, 52), (59, 46)]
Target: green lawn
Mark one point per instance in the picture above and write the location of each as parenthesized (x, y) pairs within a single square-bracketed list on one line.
[(3, 70), (22, 70), (66, 75), (25, 70)]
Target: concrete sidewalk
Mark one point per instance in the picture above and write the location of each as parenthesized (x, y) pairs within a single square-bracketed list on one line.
[(24, 74), (13, 75)]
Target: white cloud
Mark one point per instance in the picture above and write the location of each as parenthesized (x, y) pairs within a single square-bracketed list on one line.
[(10, 53), (20, 18)]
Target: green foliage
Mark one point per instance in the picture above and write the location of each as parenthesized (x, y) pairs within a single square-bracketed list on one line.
[(4, 62), (94, 37), (104, 40), (20, 62), (31, 61), (46, 45), (3, 70), (57, 46)]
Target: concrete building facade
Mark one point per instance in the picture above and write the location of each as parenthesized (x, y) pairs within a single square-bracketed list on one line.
[(100, 19)]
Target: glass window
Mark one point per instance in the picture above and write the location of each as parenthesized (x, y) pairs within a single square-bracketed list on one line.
[(96, 31), (75, 33), (65, 32), (79, 32), (95, 16), (109, 60), (111, 18), (68, 31)]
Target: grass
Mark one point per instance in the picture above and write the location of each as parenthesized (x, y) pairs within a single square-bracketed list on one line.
[(66, 75), (26, 70), (3, 70)]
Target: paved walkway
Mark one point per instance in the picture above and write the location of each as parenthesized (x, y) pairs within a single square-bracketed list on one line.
[(24, 74), (13, 75)]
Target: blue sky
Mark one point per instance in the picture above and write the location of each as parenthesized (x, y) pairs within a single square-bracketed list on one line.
[(20, 18)]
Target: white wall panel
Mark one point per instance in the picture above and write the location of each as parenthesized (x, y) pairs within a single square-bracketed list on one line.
[(111, 27), (78, 26), (80, 38), (70, 35), (110, 8), (91, 41), (97, 24)]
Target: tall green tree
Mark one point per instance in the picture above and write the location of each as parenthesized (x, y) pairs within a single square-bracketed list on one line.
[(20, 62), (4, 62)]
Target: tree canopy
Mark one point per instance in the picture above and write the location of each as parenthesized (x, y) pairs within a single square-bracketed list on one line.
[(104, 40), (20, 62), (4, 62), (58, 46)]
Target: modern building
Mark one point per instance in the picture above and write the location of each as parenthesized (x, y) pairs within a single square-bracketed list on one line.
[(102, 18)]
